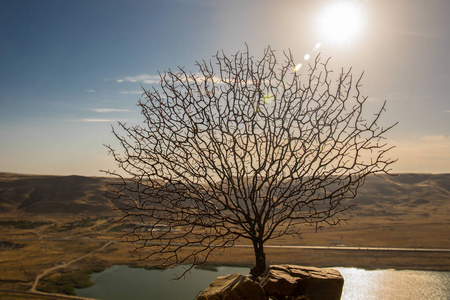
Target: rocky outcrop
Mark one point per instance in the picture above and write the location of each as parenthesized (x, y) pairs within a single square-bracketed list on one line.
[(297, 282), (287, 282), (233, 287)]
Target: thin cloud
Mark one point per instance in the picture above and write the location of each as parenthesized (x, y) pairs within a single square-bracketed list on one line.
[(199, 78), (131, 92), (156, 79), (90, 91), (144, 78), (108, 110), (100, 120)]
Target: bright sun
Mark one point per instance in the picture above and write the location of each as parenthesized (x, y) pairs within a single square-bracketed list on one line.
[(341, 22)]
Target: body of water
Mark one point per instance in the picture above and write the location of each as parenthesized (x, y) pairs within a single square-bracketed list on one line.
[(395, 284), (122, 282)]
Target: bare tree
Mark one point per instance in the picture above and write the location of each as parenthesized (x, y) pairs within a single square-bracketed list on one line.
[(243, 149)]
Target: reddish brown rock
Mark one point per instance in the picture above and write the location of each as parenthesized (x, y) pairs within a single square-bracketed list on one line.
[(297, 282), (233, 287)]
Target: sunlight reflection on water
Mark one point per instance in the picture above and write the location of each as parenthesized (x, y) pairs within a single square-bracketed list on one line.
[(393, 284)]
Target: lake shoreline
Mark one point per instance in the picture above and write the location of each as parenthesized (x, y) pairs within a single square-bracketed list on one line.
[(356, 259), (139, 284)]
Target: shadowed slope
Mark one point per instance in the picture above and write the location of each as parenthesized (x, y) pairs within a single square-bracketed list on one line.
[(381, 194), (52, 194)]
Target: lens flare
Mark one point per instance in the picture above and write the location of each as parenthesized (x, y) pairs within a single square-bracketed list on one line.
[(268, 98), (297, 67)]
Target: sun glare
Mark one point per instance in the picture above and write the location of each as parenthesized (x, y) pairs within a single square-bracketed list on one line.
[(341, 22)]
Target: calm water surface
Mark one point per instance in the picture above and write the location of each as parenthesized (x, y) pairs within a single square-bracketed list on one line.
[(122, 282), (393, 284)]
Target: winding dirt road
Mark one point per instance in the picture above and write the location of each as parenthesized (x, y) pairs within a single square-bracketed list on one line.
[(49, 270)]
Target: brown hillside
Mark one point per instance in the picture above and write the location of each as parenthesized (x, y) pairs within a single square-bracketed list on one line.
[(52, 194), (425, 195), (422, 195)]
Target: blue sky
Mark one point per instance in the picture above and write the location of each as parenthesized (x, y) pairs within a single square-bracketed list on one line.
[(71, 69)]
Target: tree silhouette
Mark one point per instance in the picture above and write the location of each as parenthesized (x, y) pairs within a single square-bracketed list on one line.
[(242, 149)]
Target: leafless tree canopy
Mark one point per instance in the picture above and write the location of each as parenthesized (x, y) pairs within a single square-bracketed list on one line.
[(243, 149)]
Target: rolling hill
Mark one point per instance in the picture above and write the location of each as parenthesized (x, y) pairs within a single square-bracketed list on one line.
[(52, 194), (420, 195), (382, 195)]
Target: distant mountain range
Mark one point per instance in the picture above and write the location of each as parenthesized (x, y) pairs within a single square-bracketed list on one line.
[(382, 194)]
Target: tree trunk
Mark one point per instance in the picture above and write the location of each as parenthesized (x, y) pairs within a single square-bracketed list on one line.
[(260, 257)]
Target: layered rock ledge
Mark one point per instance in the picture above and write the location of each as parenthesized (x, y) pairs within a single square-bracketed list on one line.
[(278, 282), (281, 281), (233, 287)]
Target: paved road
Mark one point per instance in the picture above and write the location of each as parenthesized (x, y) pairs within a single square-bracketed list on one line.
[(349, 248), (267, 246)]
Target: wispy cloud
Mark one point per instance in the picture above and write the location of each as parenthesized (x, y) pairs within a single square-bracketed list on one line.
[(99, 120), (108, 110), (155, 79), (144, 78), (90, 91), (131, 92)]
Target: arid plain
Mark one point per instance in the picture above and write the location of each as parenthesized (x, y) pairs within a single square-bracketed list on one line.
[(56, 230)]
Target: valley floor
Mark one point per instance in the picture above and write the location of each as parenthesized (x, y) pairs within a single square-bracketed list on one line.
[(56, 257)]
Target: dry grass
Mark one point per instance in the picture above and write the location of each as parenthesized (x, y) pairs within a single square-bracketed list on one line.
[(20, 266), (407, 212)]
